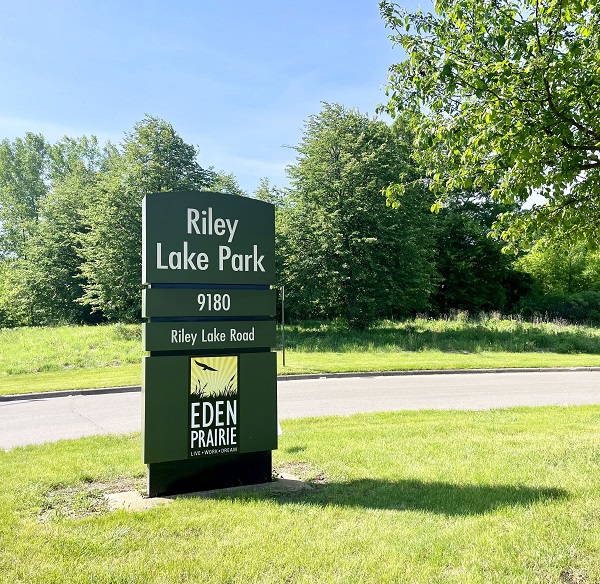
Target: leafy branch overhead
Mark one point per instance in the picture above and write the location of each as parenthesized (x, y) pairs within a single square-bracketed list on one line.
[(510, 92)]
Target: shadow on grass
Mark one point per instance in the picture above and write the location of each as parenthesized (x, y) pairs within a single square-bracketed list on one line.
[(412, 495)]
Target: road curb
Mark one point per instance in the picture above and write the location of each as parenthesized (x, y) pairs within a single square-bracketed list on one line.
[(69, 392), (433, 372), (134, 388)]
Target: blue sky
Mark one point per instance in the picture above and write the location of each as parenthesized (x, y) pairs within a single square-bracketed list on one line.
[(236, 79)]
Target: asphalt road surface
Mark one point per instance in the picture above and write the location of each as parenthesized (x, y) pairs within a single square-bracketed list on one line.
[(35, 421)]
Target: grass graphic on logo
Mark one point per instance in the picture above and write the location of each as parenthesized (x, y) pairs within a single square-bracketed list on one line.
[(214, 376)]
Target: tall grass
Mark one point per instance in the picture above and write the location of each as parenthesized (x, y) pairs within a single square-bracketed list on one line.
[(44, 349), (457, 333), (72, 357)]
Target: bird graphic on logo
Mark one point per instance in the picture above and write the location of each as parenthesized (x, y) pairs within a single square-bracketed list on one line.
[(214, 376), (204, 366)]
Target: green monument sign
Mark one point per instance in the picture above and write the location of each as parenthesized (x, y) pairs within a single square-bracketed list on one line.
[(177, 302), (216, 239), (209, 380), (175, 336)]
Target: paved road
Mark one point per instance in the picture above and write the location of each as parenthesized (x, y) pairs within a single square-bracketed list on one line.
[(38, 420)]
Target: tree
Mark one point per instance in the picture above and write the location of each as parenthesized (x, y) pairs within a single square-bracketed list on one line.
[(45, 279), (152, 158), (343, 251), (222, 182), (564, 269), (566, 282), (269, 194), (155, 158), (511, 93), (474, 273), (24, 184), (44, 190)]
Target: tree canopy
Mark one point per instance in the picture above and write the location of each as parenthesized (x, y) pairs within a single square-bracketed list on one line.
[(154, 158), (510, 93), (474, 274), (345, 253), (24, 171), (70, 228), (564, 269), (70, 220)]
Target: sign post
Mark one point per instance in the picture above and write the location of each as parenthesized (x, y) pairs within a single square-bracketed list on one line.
[(209, 391)]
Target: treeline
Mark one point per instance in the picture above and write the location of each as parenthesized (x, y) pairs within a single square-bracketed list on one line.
[(70, 221), (343, 253), (70, 230)]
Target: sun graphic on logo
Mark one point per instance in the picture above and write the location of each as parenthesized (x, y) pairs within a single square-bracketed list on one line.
[(214, 376)]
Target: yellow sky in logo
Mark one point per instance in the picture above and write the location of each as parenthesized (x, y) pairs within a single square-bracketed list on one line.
[(214, 376)]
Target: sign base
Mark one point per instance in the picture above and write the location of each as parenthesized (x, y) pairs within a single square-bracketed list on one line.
[(215, 472)]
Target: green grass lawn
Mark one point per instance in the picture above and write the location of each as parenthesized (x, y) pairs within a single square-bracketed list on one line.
[(506, 496), (50, 358)]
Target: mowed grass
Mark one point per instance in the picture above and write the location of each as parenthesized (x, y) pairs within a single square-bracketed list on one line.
[(507, 496), (300, 362), (50, 358)]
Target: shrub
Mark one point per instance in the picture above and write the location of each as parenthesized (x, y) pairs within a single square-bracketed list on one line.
[(581, 307)]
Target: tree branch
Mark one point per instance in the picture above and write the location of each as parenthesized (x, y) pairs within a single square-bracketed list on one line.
[(563, 117), (553, 107), (569, 146)]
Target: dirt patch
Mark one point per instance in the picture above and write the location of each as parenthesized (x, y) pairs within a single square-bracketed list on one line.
[(89, 498), (304, 471), (134, 501), (283, 483), (84, 499), (572, 576)]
